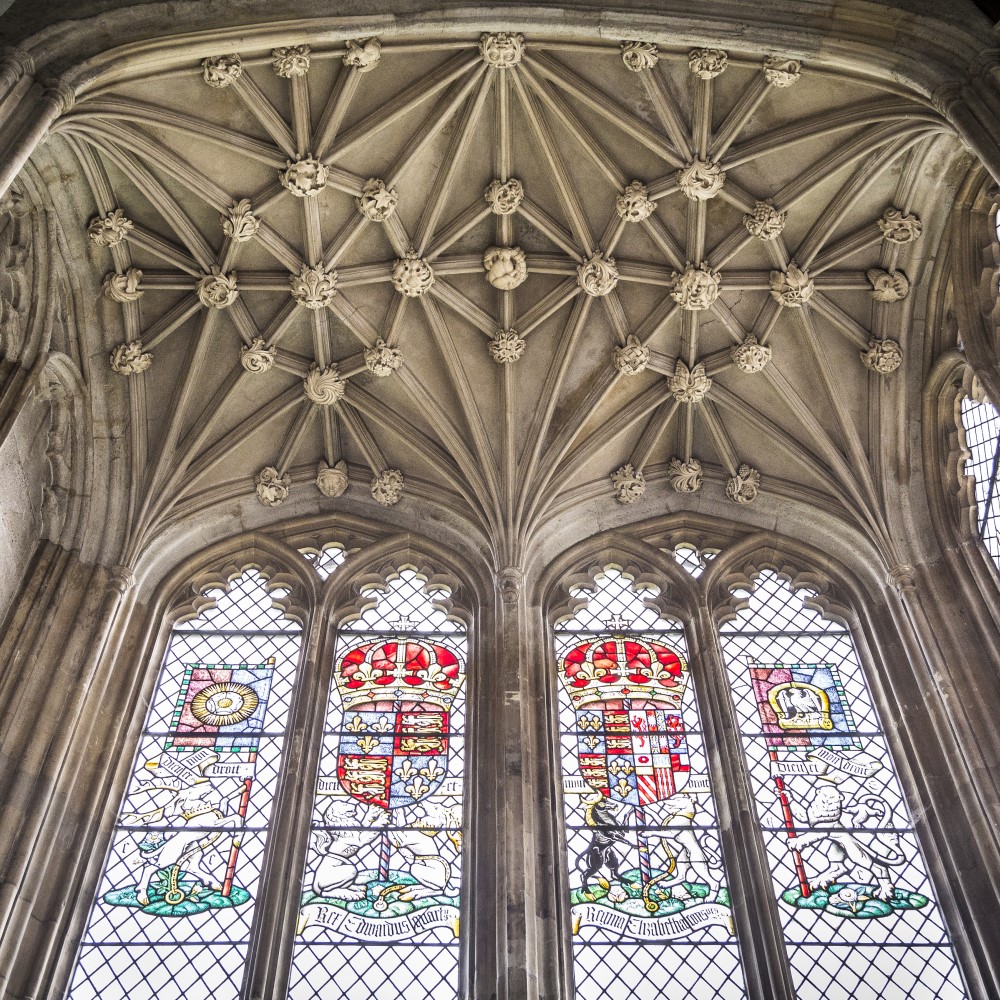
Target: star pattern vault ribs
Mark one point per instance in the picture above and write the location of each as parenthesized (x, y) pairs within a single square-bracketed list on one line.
[(581, 240)]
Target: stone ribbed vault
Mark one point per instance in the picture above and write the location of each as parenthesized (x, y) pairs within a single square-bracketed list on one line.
[(499, 275)]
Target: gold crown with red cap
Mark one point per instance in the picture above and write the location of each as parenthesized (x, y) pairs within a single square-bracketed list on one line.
[(616, 668), (399, 670)]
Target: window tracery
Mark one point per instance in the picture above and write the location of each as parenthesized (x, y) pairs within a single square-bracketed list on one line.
[(857, 910), (325, 559), (173, 912), (648, 891), (692, 559)]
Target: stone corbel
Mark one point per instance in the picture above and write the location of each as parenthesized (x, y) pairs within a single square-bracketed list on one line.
[(510, 582)]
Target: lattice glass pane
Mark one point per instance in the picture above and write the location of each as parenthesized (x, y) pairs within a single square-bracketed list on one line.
[(692, 559), (982, 435), (856, 906), (381, 892), (651, 912), (173, 911), (327, 559)]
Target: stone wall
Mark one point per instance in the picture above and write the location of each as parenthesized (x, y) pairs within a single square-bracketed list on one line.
[(22, 458)]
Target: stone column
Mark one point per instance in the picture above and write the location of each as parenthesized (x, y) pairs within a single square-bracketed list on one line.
[(64, 725), (939, 706), (27, 123)]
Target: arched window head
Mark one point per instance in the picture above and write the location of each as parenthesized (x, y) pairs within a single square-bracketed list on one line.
[(174, 908), (650, 909), (981, 423), (856, 906), (381, 894)]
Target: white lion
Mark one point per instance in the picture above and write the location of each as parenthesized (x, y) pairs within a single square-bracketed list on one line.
[(419, 842), (337, 870), (847, 857)]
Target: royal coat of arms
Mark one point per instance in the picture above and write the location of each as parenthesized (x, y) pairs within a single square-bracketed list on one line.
[(397, 698), (384, 859), (639, 797)]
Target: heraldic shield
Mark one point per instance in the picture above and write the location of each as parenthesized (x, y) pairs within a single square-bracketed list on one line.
[(627, 695), (397, 698)]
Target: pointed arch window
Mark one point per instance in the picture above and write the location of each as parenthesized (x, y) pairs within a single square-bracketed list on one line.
[(381, 902), (981, 423), (649, 901), (173, 912), (857, 910)]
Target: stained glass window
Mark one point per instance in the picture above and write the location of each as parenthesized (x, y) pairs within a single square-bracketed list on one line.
[(173, 911), (857, 910), (650, 907), (380, 903), (982, 436)]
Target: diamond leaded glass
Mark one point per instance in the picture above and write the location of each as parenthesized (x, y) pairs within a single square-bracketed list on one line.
[(380, 903), (650, 908), (173, 911), (982, 436), (857, 909)]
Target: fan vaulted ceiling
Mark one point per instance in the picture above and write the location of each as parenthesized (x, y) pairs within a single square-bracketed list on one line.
[(502, 275)]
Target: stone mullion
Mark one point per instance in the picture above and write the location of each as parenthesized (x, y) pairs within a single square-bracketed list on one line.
[(272, 935), (484, 937), (528, 942), (511, 858), (748, 874), (547, 896)]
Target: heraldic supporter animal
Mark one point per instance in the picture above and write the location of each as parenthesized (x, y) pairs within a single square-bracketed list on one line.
[(337, 869), (830, 819), (688, 859), (195, 851)]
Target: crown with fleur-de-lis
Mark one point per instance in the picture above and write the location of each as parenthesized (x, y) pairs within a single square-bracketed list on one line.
[(399, 670), (623, 668)]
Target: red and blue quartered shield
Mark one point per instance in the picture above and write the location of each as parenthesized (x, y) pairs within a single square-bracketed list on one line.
[(627, 696), (397, 698)]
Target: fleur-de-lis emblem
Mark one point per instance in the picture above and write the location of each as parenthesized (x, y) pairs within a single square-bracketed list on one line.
[(406, 769), (432, 771), (417, 787), (367, 744), (365, 673), (590, 722), (622, 787), (355, 725), (591, 742), (382, 726), (619, 768)]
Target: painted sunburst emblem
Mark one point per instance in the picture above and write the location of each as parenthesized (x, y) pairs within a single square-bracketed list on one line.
[(224, 704)]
